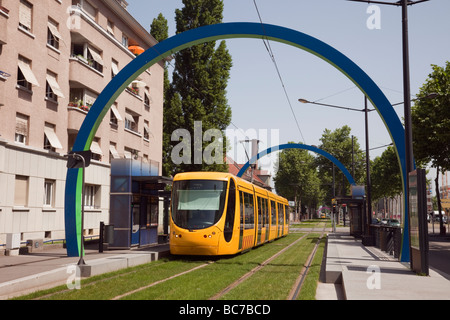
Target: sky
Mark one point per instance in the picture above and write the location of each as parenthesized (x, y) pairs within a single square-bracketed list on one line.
[(370, 35)]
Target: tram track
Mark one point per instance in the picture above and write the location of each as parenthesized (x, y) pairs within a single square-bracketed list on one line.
[(254, 270), (295, 291), (160, 281)]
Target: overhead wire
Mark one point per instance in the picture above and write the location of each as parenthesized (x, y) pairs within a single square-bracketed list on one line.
[(272, 57)]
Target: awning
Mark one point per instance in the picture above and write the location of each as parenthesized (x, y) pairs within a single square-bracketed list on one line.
[(54, 30), (116, 113), (96, 56), (115, 68), (127, 154), (95, 148), (52, 138), (147, 129), (138, 84), (27, 73), (113, 151), (54, 85), (129, 117)]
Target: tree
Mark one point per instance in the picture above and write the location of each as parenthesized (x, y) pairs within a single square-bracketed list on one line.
[(430, 120), (339, 144), (159, 29), (198, 92), (385, 175), (297, 178)]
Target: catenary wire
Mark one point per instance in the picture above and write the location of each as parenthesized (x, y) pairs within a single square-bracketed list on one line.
[(272, 57)]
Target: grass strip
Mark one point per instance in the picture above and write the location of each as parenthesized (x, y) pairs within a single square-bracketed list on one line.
[(107, 286), (275, 280), (308, 291), (205, 283)]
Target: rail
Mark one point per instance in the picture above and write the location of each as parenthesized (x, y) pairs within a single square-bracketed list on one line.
[(387, 238)]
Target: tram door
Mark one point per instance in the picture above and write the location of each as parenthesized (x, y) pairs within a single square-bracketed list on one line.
[(135, 220)]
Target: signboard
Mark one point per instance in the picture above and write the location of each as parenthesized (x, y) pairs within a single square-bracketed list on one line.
[(74, 160), (418, 221), (413, 210), (358, 192), (445, 203)]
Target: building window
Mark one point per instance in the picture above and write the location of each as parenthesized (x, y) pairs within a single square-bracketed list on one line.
[(146, 130), (82, 98), (131, 121), (21, 191), (49, 193), (97, 152), (95, 59), (91, 200), (110, 27), (21, 134), (51, 141), (114, 116), (25, 15), (113, 154), (88, 55), (25, 76), (125, 41), (52, 88), (53, 35), (114, 68), (147, 98)]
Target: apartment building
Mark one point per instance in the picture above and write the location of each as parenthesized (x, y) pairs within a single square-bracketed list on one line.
[(56, 56)]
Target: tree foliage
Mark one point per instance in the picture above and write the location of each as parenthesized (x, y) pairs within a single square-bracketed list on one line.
[(198, 88), (339, 144), (297, 177), (385, 175), (431, 120)]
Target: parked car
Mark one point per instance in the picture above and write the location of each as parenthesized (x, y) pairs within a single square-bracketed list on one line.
[(375, 221), (393, 223), (384, 221)]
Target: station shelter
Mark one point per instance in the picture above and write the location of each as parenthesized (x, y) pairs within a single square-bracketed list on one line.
[(354, 208), (139, 204)]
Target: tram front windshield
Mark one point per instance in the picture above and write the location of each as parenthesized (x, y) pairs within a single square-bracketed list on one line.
[(198, 204)]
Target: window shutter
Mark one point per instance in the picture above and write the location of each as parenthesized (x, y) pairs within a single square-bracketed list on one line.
[(25, 13)]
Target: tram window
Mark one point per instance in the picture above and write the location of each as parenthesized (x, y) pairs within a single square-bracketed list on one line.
[(274, 213), (231, 211), (280, 214), (260, 213), (286, 215), (242, 213), (249, 211), (266, 212)]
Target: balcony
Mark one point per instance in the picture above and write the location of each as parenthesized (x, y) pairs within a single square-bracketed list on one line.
[(76, 116), (83, 73)]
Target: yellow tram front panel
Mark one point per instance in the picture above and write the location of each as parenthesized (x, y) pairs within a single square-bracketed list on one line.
[(220, 214), (195, 242)]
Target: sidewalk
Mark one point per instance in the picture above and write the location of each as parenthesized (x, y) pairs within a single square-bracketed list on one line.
[(357, 272), (27, 273)]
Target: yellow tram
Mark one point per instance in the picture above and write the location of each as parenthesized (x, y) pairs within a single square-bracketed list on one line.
[(216, 213)]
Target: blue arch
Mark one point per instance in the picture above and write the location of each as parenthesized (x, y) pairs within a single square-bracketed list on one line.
[(212, 33), (298, 146)]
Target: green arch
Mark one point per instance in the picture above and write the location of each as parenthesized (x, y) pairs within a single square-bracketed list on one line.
[(212, 33)]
